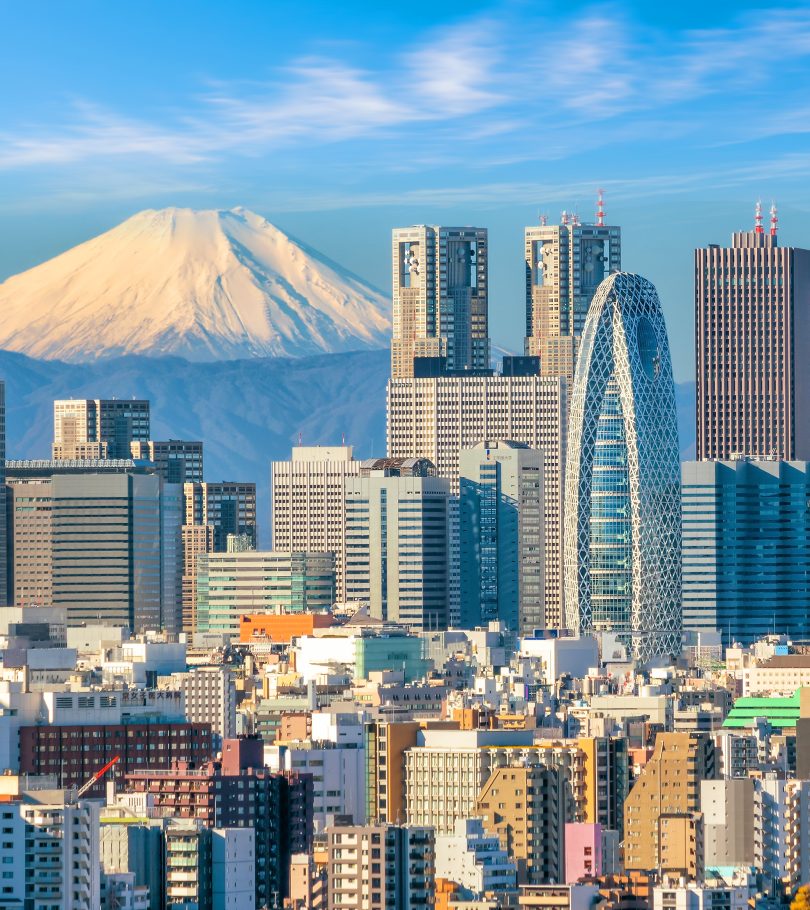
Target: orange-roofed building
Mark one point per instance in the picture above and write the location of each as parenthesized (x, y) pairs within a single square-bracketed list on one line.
[(280, 628)]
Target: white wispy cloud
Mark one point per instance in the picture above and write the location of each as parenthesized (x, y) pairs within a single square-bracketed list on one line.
[(491, 90)]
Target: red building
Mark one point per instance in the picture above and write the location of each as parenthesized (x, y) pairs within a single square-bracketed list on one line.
[(75, 753)]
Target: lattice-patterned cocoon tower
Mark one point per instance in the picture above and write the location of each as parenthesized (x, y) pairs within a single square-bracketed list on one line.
[(622, 526)]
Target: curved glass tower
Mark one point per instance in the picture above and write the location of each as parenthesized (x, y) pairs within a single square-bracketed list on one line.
[(622, 533)]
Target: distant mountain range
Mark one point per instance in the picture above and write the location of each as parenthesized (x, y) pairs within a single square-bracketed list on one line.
[(202, 285), (248, 412)]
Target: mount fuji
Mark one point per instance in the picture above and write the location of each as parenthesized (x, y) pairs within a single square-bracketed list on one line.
[(201, 285)]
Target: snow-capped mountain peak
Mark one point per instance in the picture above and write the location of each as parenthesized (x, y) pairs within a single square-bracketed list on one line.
[(203, 285)]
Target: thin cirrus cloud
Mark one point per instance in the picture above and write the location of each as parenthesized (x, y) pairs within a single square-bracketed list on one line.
[(502, 85)]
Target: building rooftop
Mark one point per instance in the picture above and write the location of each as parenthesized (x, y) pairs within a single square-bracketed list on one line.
[(780, 712)]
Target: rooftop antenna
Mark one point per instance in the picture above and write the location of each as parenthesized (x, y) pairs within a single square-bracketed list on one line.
[(600, 208), (774, 220), (300, 438), (544, 220), (758, 217), (343, 439), (564, 217)]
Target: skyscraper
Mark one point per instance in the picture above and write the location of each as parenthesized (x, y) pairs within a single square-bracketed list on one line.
[(746, 548), (396, 542), (98, 428), (752, 335), (501, 534), (565, 264), (307, 503), (110, 560), (440, 297), (622, 533), (435, 418)]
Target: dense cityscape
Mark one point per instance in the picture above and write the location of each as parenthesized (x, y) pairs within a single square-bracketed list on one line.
[(523, 657)]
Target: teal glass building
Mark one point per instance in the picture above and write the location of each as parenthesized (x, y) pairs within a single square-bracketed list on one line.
[(746, 548)]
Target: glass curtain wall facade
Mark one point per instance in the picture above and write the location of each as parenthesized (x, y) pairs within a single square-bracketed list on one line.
[(622, 529)]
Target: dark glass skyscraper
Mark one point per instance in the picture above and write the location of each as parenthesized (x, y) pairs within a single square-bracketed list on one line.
[(746, 548), (752, 337)]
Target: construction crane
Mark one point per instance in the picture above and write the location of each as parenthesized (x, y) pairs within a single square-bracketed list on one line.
[(95, 778)]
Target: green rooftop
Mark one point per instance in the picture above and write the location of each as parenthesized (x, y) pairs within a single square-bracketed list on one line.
[(780, 713)]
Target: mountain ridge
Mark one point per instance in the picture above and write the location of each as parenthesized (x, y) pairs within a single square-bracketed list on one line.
[(206, 285)]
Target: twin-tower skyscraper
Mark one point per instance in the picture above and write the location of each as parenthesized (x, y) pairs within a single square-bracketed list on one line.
[(612, 559)]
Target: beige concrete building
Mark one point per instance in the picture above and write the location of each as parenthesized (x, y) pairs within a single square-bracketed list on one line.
[(436, 418), (526, 808), (668, 787), (565, 264), (440, 288), (447, 769), (752, 334), (98, 428), (307, 503), (380, 867)]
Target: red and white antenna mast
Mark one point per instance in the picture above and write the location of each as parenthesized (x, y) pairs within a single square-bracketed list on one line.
[(544, 220), (600, 208), (564, 217), (774, 220), (758, 217)]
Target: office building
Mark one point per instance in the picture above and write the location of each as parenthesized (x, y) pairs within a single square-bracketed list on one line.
[(435, 418), (380, 867), (73, 752), (440, 298), (307, 502), (565, 264), (752, 332), (446, 770), (622, 537), (103, 546), (230, 585), (669, 785), (98, 428), (176, 460), (396, 542), (501, 535), (746, 548), (228, 506), (213, 512)]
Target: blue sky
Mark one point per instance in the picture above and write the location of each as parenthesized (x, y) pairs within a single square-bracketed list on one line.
[(338, 121)]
